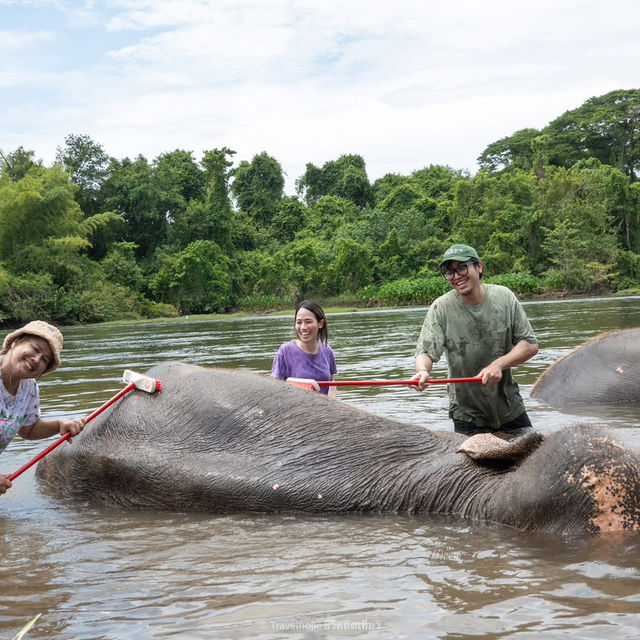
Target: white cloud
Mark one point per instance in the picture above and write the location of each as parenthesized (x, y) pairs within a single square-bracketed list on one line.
[(15, 40), (404, 84)]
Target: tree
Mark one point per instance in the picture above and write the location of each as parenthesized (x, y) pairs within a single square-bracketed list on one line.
[(308, 260), (567, 253), (605, 127), (88, 167), (201, 221), (382, 187), (404, 196), (619, 196), (44, 244), (328, 214), (392, 257), (353, 267), (289, 219), (217, 165), (179, 180), (120, 266), (437, 181), (36, 211), (513, 152), (258, 187), (16, 165), (345, 178), (265, 273), (579, 229), (195, 280), (103, 230), (133, 193), (354, 185)]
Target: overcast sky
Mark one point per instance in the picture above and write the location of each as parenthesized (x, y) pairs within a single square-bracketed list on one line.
[(403, 83)]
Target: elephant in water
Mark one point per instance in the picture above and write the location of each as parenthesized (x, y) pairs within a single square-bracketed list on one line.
[(224, 441), (604, 371)]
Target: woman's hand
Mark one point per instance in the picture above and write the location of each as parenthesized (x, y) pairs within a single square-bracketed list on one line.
[(4, 484), (74, 427)]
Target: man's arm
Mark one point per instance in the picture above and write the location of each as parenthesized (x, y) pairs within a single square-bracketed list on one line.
[(521, 352)]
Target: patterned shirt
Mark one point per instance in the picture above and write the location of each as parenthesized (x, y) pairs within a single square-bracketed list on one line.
[(21, 410)]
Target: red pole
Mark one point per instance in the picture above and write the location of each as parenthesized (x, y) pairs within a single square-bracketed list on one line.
[(412, 383), (67, 435)]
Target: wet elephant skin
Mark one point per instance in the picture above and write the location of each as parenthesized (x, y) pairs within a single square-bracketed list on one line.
[(604, 371), (223, 441)]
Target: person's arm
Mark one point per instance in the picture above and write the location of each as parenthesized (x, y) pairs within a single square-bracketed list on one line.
[(521, 352), (333, 392), (430, 341), (333, 369), (46, 428)]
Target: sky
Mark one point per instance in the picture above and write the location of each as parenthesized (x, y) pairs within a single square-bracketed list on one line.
[(404, 83)]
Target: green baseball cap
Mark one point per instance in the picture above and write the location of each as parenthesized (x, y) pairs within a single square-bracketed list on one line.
[(459, 252)]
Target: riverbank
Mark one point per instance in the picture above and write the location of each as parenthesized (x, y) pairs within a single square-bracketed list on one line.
[(233, 314), (333, 306)]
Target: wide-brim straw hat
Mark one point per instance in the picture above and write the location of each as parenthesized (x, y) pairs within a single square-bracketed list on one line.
[(42, 330)]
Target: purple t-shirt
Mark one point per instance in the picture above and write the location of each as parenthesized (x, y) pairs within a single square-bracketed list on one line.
[(292, 362)]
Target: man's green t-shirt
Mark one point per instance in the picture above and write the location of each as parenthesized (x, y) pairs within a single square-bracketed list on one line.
[(473, 336)]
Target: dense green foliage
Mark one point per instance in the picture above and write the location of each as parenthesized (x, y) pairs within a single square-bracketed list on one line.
[(95, 238)]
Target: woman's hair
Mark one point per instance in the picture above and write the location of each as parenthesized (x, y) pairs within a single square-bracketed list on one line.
[(316, 309)]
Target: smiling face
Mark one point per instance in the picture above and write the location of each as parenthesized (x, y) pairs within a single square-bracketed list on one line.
[(307, 327), (28, 357), (466, 284)]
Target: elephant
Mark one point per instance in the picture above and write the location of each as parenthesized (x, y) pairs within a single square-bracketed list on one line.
[(604, 371), (224, 441)]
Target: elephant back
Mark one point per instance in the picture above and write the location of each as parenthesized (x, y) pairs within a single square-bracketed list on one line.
[(603, 371)]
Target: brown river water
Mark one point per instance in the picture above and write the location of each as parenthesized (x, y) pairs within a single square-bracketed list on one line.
[(97, 573)]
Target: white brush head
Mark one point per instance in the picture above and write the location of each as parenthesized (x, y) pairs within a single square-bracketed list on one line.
[(142, 382)]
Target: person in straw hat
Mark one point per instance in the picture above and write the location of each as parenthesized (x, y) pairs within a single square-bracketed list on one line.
[(28, 353)]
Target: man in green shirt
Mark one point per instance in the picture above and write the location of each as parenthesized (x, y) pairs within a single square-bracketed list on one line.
[(484, 332)]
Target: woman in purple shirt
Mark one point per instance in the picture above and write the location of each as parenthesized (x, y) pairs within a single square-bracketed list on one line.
[(308, 356)]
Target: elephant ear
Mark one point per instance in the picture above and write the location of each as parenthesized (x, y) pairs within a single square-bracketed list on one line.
[(486, 446)]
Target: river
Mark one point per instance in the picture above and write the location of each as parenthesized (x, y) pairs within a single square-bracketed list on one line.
[(97, 573)]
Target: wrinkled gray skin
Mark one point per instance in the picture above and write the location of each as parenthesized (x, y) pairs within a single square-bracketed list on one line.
[(604, 371), (225, 441)]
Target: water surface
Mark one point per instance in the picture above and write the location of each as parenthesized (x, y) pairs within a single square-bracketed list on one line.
[(101, 573)]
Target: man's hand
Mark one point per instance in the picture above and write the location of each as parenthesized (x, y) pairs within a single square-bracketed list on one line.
[(422, 380), (491, 375), (521, 352)]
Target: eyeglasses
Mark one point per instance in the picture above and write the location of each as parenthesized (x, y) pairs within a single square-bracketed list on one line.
[(462, 269)]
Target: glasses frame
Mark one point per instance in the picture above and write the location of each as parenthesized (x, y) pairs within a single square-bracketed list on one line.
[(461, 270)]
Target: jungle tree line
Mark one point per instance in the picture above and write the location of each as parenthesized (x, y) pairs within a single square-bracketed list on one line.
[(94, 238)]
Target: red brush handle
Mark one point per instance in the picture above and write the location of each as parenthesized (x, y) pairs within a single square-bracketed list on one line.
[(379, 383), (67, 435)]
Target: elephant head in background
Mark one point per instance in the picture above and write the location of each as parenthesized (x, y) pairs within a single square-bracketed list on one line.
[(604, 371), (224, 441)]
